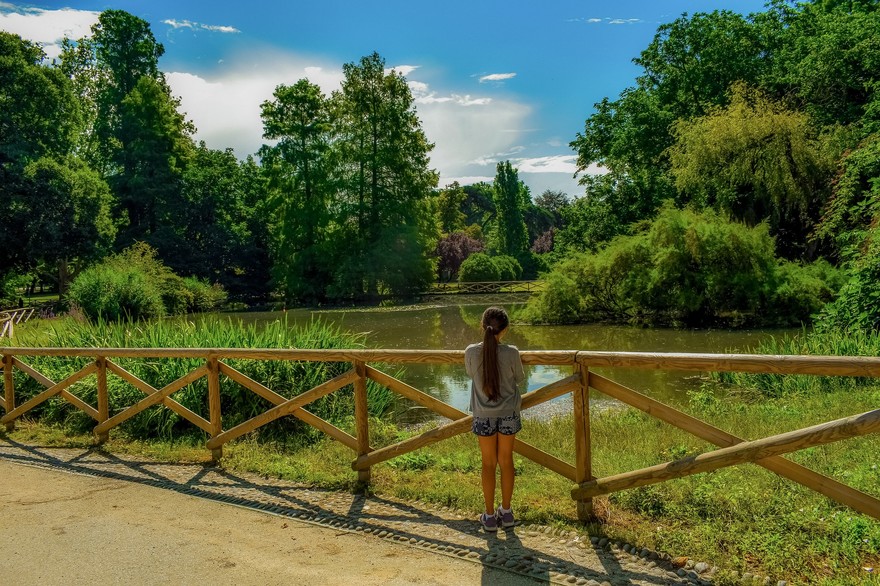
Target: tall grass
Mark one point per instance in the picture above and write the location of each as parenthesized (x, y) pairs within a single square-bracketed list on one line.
[(287, 378), (826, 343)]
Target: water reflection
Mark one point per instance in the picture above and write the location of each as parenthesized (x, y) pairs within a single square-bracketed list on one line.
[(431, 327)]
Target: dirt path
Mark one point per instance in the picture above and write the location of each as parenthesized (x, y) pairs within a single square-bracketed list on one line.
[(76, 516)]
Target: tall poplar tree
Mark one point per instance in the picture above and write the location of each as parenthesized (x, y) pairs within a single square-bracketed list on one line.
[(511, 196), (388, 231), (298, 119)]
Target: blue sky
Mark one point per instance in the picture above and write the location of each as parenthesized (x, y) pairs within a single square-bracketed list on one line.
[(491, 80)]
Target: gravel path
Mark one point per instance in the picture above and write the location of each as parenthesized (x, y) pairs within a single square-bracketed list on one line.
[(206, 523)]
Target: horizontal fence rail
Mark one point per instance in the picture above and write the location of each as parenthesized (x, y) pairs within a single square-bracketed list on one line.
[(732, 450)]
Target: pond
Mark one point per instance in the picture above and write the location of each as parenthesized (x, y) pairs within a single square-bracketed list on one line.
[(454, 327)]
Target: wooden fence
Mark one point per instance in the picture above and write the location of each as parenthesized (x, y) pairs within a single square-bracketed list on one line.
[(9, 319), (733, 450)]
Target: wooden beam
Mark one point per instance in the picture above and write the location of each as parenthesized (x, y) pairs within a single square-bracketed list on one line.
[(151, 400), (425, 439), (214, 413), (582, 449), (413, 394), (362, 417), (27, 369), (8, 388), (286, 408), (820, 483), (149, 389), (276, 399), (783, 443), (49, 393), (103, 396), (868, 366)]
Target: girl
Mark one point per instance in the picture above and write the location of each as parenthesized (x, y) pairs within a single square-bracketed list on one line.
[(497, 373)]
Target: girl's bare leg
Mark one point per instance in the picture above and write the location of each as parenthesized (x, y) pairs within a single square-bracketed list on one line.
[(489, 453), (505, 459)]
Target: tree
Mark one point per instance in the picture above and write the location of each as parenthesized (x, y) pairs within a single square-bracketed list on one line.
[(479, 205), (39, 114), (212, 236), (554, 203), (381, 164), (449, 206), (157, 145), (299, 119), (828, 55), (452, 250), (124, 51), (756, 160), (68, 214), (511, 236), (54, 208)]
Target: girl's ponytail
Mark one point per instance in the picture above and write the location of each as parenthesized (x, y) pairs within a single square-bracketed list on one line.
[(494, 321)]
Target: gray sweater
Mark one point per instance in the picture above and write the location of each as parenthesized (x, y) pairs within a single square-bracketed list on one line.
[(511, 377)]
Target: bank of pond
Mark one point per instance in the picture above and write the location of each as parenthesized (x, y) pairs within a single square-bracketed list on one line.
[(743, 519)]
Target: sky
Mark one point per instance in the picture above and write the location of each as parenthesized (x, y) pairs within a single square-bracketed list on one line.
[(491, 81)]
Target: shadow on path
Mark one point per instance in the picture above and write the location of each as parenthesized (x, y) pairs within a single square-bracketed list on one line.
[(525, 550)]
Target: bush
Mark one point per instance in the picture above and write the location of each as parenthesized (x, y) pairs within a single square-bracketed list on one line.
[(114, 293), (478, 267), (508, 268), (803, 290), (686, 267), (136, 285)]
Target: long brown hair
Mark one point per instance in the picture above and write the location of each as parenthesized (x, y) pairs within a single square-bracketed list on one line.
[(494, 321)]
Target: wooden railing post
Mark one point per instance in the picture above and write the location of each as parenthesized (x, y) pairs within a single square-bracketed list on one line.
[(9, 388), (583, 453), (215, 415), (361, 417), (103, 398)]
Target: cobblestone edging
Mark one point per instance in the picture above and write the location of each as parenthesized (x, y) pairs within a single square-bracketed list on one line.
[(544, 553)]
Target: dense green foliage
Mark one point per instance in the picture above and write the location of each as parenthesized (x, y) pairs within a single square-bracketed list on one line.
[(769, 119), (286, 378), (685, 267), (134, 285)]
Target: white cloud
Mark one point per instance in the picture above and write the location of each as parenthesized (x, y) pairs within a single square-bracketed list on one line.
[(176, 24), (550, 164), (497, 77), (403, 70), (179, 23), (612, 20), (220, 28), (47, 27)]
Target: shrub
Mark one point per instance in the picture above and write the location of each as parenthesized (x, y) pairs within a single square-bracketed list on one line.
[(115, 293), (686, 267), (508, 268), (478, 267), (453, 250), (135, 285)]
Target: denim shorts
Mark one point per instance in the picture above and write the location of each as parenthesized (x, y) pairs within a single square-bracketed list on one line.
[(489, 426)]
